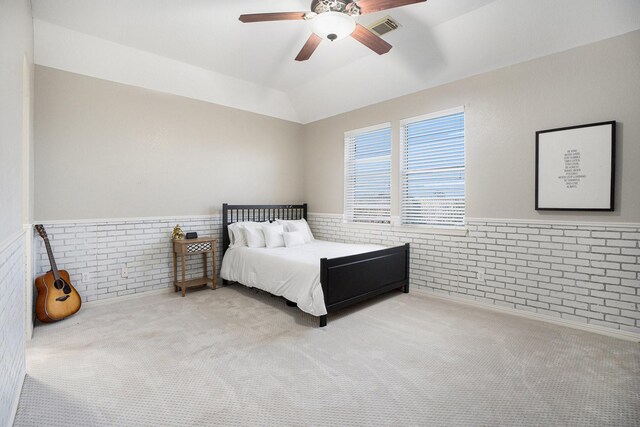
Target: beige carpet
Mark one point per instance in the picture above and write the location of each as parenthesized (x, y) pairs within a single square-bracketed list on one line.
[(237, 357)]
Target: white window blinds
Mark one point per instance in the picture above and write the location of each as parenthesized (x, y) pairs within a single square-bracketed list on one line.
[(432, 169), (367, 177)]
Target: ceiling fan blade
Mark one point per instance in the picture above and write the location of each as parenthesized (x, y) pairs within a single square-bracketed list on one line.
[(370, 40), (277, 16), (309, 47), (370, 6)]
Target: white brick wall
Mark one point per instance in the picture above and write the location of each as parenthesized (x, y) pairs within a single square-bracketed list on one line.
[(581, 273), (99, 249), (12, 361)]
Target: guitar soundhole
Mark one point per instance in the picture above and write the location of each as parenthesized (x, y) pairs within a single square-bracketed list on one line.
[(61, 284)]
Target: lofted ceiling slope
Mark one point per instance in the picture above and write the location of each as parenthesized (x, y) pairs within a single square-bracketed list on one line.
[(199, 49)]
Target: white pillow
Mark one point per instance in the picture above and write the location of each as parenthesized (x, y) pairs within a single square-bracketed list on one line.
[(236, 236), (294, 238), (253, 235), (273, 235), (298, 225)]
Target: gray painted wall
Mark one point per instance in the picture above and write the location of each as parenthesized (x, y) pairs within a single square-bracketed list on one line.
[(107, 150), (504, 108), (16, 45), (121, 151)]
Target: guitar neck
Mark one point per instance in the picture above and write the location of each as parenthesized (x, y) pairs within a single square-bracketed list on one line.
[(52, 261)]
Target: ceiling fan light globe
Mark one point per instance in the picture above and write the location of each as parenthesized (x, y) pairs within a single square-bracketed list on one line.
[(333, 25)]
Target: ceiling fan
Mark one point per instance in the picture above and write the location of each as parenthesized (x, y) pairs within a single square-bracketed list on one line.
[(333, 20)]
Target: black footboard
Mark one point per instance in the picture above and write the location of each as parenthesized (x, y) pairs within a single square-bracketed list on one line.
[(351, 279)]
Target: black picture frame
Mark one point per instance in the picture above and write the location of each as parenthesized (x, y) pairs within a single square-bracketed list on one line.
[(577, 189)]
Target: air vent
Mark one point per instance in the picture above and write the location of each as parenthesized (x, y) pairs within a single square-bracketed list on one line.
[(384, 26)]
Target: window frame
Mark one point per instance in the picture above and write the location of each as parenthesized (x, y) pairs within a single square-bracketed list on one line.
[(350, 218), (402, 162)]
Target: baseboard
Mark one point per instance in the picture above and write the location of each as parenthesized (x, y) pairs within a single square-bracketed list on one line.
[(168, 290), (128, 297), (14, 409), (627, 336)]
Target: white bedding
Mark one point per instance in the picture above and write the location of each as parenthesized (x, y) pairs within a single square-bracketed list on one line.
[(293, 273)]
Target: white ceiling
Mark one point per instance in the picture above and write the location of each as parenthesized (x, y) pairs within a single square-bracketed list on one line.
[(161, 43)]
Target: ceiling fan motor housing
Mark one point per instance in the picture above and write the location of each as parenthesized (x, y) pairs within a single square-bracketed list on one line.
[(344, 6)]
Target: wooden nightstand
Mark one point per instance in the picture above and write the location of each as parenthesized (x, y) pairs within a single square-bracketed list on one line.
[(182, 248)]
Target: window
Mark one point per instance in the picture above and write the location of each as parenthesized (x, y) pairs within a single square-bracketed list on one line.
[(432, 169), (367, 176)]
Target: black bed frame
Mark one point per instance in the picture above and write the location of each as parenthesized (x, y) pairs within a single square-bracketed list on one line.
[(345, 280)]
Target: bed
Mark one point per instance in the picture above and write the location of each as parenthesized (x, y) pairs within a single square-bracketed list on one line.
[(319, 277)]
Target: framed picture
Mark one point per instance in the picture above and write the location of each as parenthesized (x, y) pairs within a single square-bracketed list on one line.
[(575, 167)]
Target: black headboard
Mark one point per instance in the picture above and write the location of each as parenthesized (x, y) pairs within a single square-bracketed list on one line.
[(258, 213)]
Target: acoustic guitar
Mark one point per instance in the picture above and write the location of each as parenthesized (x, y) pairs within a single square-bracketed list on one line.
[(57, 299)]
